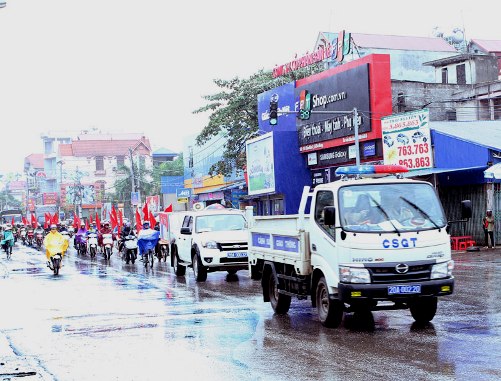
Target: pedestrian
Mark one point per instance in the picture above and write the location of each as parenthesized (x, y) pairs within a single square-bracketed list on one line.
[(488, 225)]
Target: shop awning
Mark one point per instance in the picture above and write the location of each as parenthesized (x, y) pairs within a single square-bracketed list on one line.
[(493, 172), (431, 171)]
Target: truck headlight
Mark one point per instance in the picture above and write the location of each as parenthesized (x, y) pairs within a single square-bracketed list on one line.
[(442, 270), (354, 275), (210, 245)]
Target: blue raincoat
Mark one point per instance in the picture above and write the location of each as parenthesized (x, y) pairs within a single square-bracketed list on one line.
[(8, 238), (147, 240)]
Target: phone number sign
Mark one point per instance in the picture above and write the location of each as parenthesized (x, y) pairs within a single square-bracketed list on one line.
[(406, 140)]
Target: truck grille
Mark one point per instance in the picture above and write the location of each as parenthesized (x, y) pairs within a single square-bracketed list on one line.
[(232, 246), (388, 274)]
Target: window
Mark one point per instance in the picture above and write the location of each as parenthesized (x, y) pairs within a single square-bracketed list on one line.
[(120, 161), (444, 75), (99, 163), (142, 161), (48, 147), (401, 102), (324, 198), (461, 74)]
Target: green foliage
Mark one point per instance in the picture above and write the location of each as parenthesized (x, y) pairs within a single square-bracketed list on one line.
[(168, 168), (233, 112), (7, 201)]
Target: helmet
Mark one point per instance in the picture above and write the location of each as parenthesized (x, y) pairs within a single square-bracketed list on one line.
[(53, 226), (82, 224), (126, 224), (146, 224)]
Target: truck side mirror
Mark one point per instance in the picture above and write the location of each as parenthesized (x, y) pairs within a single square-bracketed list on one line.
[(330, 215), (185, 230), (465, 209)]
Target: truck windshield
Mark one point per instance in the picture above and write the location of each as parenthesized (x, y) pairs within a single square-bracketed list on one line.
[(390, 208), (219, 222)]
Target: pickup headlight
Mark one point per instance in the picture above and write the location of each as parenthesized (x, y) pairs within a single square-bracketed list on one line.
[(210, 245), (442, 270), (354, 275)]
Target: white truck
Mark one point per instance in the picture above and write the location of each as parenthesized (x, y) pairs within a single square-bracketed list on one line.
[(208, 240), (367, 243)]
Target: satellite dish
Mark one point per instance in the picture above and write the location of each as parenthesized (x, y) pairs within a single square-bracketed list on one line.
[(198, 206)]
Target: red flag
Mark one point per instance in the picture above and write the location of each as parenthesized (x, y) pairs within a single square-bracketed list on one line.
[(55, 219), (47, 220), (25, 221), (75, 222), (90, 219), (86, 224), (13, 222), (113, 217), (98, 223), (33, 221), (120, 220), (153, 221), (168, 209), (138, 221), (146, 213)]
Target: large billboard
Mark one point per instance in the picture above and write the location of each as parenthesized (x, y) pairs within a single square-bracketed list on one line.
[(338, 94), (75, 193), (260, 165), (406, 139)]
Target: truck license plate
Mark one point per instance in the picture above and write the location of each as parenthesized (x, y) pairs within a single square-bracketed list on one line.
[(407, 289), (238, 254)]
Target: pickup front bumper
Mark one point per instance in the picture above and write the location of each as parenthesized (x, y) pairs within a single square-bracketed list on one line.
[(353, 293)]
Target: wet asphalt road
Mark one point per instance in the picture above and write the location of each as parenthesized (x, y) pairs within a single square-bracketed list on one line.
[(99, 321)]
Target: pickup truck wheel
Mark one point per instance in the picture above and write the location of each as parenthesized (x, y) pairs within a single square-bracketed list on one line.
[(423, 309), (198, 269), (179, 270), (279, 302), (330, 312)]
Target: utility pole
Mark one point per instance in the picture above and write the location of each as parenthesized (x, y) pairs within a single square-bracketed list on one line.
[(133, 185)]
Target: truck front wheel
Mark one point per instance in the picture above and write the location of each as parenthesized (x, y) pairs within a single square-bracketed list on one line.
[(279, 302), (423, 309), (330, 312)]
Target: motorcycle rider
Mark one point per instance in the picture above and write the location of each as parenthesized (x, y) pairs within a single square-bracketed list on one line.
[(52, 238), (127, 230), (145, 235), (106, 229), (81, 233), (8, 238)]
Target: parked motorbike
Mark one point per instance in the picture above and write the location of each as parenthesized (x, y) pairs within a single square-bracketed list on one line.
[(107, 245), (130, 249), (92, 244), (56, 249)]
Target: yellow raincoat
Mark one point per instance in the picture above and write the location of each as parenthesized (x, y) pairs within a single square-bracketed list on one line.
[(55, 243)]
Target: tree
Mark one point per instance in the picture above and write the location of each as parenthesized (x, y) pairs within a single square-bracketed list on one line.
[(234, 113), (168, 168)]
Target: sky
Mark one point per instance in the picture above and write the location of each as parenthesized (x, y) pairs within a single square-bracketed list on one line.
[(143, 66)]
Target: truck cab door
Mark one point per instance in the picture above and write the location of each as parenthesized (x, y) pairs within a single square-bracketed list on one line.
[(185, 238), (322, 236)]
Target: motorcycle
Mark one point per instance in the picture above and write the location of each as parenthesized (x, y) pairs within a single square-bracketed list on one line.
[(107, 245), (92, 244), (147, 241), (30, 237), (71, 231), (56, 249), (39, 241), (162, 250), (8, 242), (22, 235), (81, 245), (66, 236), (130, 249)]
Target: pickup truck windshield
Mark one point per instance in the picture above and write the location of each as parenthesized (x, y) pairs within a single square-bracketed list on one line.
[(219, 222), (390, 208)]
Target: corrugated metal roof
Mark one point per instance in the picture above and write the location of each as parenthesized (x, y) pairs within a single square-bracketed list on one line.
[(430, 171), (483, 132), (106, 147), (382, 41), (488, 45)]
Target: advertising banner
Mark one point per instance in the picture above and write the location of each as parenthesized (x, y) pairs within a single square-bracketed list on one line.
[(105, 211), (134, 198), (153, 203), (406, 140), (260, 165), (338, 93), (49, 198)]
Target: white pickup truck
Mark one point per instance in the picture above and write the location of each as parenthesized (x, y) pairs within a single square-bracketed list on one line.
[(367, 243), (207, 241)]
